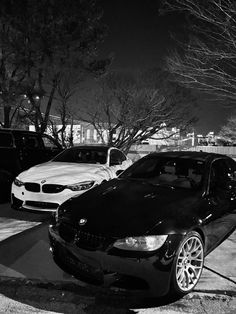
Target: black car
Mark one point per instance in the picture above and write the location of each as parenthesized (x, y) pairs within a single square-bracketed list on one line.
[(150, 228), (20, 150)]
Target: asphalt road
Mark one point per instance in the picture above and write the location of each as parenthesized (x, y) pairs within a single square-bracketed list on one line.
[(31, 282)]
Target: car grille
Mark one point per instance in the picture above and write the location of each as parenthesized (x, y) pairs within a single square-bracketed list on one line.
[(67, 232), (82, 239), (52, 188), (32, 187), (89, 241), (43, 205)]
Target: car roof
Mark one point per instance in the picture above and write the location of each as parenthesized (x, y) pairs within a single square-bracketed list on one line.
[(200, 155), (90, 146)]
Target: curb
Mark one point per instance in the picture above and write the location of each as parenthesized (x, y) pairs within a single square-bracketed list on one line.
[(72, 292)]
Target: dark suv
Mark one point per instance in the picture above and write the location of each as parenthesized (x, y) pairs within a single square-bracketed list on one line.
[(20, 150)]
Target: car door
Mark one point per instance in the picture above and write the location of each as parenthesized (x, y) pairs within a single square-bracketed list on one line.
[(217, 215), (31, 150)]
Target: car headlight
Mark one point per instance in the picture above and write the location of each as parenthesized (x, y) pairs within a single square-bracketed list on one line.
[(18, 182), (145, 243), (80, 186)]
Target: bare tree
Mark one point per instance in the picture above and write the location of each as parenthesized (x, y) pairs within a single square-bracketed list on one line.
[(11, 73), (40, 39), (227, 133), (66, 90), (207, 61), (128, 110)]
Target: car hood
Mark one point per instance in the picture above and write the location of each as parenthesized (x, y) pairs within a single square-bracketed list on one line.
[(124, 208), (61, 172)]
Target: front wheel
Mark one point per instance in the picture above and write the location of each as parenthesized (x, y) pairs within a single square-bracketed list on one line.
[(188, 264)]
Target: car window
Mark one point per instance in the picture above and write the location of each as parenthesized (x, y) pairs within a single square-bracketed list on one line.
[(6, 140), (88, 156), (49, 143), (122, 156), (116, 157), (28, 141), (219, 174), (176, 172)]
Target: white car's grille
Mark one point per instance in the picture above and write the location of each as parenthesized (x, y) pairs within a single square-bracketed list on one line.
[(43, 205), (46, 188), (52, 188), (32, 187)]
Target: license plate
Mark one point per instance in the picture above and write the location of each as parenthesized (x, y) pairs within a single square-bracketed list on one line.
[(78, 265)]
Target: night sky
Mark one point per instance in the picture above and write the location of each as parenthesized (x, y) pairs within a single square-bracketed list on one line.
[(139, 38)]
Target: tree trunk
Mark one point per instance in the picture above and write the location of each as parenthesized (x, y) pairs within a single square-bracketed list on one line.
[(7, 110), (49, 105)]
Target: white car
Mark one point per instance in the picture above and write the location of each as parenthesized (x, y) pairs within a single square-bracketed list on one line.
[(74, 171)]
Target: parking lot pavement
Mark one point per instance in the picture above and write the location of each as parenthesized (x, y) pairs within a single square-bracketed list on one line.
[(219, 274), (13, 222), (6, 212)]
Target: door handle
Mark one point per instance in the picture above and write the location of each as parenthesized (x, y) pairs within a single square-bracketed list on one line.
[(206, 218)]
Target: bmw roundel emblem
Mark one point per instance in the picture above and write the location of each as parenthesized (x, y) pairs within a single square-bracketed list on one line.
[(43, 181), (82, 221)]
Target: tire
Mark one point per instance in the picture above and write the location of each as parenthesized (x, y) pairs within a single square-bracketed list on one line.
[(188, 264), (6, 179)]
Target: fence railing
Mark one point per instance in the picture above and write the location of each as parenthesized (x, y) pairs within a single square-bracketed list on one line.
[(225, 150), (138, 151)]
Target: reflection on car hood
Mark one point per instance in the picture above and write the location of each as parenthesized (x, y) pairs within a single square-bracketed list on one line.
[(124, 207), (61, 172)]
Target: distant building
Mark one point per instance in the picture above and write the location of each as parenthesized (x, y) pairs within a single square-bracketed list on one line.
[(208, 140), (164, 137), (85, 133)]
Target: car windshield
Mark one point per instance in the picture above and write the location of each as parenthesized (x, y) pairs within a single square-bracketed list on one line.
[(83, 155), (176, 172)]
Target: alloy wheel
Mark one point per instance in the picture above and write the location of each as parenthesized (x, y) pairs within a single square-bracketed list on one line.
[(189, 263)]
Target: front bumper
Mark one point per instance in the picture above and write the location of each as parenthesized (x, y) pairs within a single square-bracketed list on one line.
[(39, 201), (148, 275)]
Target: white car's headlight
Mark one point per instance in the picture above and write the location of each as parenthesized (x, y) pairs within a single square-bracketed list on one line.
[(145, 243), (80, 186), (18, 182)]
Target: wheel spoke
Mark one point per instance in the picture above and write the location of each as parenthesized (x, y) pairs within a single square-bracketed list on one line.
[(197, 254), (186, 279), (190, 245), (180, 273), (192, 270), (196, 259), (196, 248), (196, 267)]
